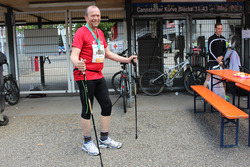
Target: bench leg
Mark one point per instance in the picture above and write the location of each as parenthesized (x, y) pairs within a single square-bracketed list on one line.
[(234, 93), (225, 121), (249, 131), (238, 97), (195, 111), (205, 106), (195, 95), (249, 122), (248, 104)]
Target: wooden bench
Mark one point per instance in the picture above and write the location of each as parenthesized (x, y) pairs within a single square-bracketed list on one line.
[(229, 113)]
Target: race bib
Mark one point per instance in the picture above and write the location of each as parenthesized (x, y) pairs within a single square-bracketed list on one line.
[(98, 54)]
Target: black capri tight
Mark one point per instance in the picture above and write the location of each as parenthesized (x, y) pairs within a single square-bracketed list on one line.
[(98, 89)]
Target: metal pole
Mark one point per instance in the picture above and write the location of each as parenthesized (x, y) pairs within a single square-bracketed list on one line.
[(128, 4), (93, 121)]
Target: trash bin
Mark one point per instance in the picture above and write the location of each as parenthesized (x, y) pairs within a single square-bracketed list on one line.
[(3, 119)]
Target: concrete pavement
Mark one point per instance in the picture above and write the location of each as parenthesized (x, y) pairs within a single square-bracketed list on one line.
[(46, 132)]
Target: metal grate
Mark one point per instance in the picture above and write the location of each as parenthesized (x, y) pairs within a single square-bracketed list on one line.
[(57, 72), (41, 66)]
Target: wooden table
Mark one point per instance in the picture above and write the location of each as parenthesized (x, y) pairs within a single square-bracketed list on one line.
[(229, 76)]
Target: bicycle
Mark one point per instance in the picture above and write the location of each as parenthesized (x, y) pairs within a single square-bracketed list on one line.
[(3, 119), (11, 90), (153, 82), (116, 78), (120, 83)]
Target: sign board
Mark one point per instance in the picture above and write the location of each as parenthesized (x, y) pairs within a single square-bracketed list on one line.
[(116, 46), (41, 42), (202, 7), (245, 34), (171, 25)]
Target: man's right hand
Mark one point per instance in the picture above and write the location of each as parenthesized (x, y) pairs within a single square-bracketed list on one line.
[(81, 65), (219, 60)]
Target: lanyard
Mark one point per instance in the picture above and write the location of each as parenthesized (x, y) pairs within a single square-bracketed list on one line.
[(96, 39)]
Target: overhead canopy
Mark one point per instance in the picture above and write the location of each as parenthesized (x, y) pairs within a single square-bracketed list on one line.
[(110, 9)]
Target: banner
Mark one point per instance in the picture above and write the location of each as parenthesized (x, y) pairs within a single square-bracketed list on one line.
[(163, 8)]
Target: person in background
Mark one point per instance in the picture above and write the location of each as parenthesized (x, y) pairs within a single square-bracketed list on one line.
[(217, 47)]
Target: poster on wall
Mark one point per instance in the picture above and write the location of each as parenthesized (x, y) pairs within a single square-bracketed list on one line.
[(41, 42), (245, 34), (116, 46)]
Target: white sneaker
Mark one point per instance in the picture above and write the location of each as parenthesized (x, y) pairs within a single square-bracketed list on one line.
[(90, 148), (109, 143)]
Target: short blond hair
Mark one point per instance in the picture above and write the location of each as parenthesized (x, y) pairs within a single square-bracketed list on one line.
[(92, 6)]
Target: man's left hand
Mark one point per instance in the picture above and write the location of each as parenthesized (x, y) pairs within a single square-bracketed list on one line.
[(134, 57)]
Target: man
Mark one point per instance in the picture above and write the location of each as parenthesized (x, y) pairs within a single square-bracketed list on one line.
[(217, 49), (89, 49)]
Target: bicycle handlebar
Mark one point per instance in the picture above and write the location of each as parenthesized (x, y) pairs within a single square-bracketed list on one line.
[(224, 65), (158, 57), (188, 55), (123, 52), (3, 59), (132, 61)]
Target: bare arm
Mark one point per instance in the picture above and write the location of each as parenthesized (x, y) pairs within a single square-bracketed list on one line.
[(112, 56), (74, 57)]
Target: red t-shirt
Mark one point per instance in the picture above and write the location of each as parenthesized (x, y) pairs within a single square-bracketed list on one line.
[(84, 40)]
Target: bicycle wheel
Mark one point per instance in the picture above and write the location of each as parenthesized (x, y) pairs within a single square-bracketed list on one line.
[(5, 121), (152, 82), (195, 77), (124, 94), (12, 93), (116, 82)]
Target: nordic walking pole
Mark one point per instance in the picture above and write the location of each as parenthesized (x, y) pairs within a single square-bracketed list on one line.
[(93, 121), (135, 70)]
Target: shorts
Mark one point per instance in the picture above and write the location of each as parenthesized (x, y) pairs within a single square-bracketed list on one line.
[(98, 89)]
